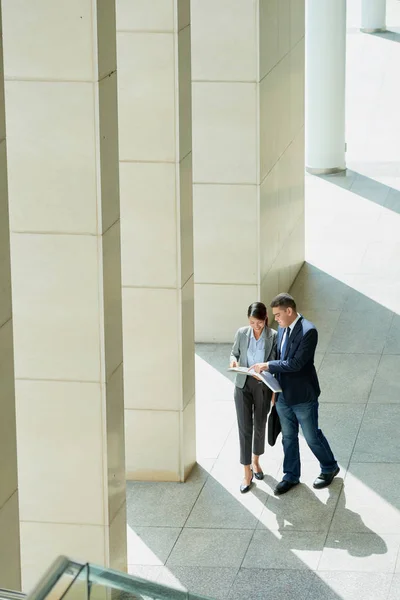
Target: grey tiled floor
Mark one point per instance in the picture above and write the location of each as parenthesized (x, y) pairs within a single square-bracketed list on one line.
[(341, 543), (336, 544)]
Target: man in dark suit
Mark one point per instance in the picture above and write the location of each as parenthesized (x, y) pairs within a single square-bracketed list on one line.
[(298, 401)]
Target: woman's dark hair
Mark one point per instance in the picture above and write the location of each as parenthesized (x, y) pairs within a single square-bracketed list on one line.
[(258, 310)]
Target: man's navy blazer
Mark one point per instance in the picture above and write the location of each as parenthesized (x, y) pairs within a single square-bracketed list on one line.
[(296, 371)]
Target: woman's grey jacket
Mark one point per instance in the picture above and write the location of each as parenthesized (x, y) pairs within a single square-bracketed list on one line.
[(241, 344)]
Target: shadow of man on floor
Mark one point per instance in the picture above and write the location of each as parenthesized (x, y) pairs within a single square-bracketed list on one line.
[(302, 511)]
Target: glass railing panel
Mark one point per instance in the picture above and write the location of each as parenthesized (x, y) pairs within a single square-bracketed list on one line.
[(67, 580), (11, 595), (78, 588), (107, 584), (58, 580)]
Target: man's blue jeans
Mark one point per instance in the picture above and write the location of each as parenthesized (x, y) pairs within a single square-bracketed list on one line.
[(305, 414)]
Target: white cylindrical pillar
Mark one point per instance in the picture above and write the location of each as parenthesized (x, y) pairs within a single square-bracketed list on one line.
[(373, 16), (325, 85)]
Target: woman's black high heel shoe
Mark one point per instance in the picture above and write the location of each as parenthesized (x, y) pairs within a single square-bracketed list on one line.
[(259, 475), (246, 488)]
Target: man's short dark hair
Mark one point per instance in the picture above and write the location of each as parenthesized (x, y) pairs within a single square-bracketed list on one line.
[(284, 300)]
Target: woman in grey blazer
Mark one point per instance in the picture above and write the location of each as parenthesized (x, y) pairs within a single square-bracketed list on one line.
[(254, 343)]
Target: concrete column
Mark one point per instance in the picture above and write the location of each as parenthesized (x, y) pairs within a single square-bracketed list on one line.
[(373, 16), (248, 156), (61, 108), (325, 85), (157, 237), (10, 568)]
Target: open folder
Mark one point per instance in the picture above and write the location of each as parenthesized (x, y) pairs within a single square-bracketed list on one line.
[(265, 377)]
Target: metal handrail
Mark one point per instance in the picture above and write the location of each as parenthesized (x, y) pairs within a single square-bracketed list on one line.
[(52, 576), (101, 576), (11, 595)]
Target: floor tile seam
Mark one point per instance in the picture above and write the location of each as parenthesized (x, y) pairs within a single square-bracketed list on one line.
[(224, 443), (387, 333), (345, 476), (248, 546), (341, 310), (322, 360), (331, 519), (381, 571), (390, 585), (348, 466), (380, 360), (194, 503), (211, 527), (173, 546), (228, 591), (397, 561)]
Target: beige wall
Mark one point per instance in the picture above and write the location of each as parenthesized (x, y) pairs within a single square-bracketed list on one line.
[(157, 236), (10, 573), (248, 158), (61, 108)]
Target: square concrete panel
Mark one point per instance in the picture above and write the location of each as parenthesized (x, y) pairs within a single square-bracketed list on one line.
[(224, 215), (147, 79), (355, 372), (369, 446), (218, 508), (357, 333), (49, 415), (151, 545), (392, 344), (225, 133), (325, 322), (145, 15), (164, 504), (150, 385), (386, 386), (57, 331), (41, 542), (224, 39), (210, 300), (254, 584), (360, 552), (369, 501), (210, 548), (149, 224), (45, 196), (314, 289), (211, 582), (25, 23), (291, 550), (152, 429), (349, 586)]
